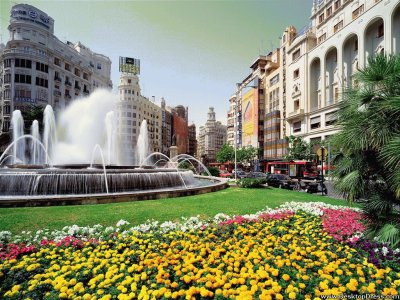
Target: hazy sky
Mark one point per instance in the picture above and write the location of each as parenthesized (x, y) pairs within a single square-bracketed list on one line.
[(192, 52)]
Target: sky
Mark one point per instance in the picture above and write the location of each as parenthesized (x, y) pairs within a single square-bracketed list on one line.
[(191, 52)]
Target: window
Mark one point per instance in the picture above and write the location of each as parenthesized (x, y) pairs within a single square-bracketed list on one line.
[(315, 123), (328, 11), (337, 4), (23, 63), (297, 126), (330, 118), (67, 67), (57, 61), (85, 76), (42, 67), (274, 80), (296, 54), (380, 31), (296, 105), (296, 73), (321, 18), (42, 82), (356, 45), (21, 78), (338, 26), (358, 11), (7, 63), (336, 94), (129, 81), (99, 66), (7, 78), (322, 38)]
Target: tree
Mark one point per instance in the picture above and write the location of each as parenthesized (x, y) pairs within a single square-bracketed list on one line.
[(368, 164), (226, 153), (299, 149), (246, 155)]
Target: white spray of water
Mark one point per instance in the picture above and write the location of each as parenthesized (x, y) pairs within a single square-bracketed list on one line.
[(35, 151), (82, 126), (49, 134), (17, 123), (142, 146), (111, 142)]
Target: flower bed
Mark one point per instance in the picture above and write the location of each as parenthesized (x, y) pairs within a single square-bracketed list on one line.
[(286, 253)]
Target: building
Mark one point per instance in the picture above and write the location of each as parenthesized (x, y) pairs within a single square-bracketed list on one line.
[(192, 140), (322, 59), (180, 131), (37, 69), (230, 128), (275, 143), (250, 107), (211, 138), (132, 109), (166, 128)]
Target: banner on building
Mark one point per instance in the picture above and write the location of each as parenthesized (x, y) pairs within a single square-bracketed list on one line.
[(129, 65)]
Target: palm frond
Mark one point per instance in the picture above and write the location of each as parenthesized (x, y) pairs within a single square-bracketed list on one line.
[(389, 234)]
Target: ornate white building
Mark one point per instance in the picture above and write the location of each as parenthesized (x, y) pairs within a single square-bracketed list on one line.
[(211, 137), (323, 58), (132, 109), (36, 68)]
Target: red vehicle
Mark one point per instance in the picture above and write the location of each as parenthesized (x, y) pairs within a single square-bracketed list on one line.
[(225, 174), (297, 168)]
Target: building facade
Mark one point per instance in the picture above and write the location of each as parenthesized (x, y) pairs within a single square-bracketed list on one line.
[(192, 140), (230, 128), (211, 138), (166, 128), (37, 69), (323, 59), (132, 110), (180, 131)]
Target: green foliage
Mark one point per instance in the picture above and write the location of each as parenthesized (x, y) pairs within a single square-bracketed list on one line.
[(186, 166), (368, 164), (299, 149), (252, 182), (246, 155), (214, 171), (226, 153)]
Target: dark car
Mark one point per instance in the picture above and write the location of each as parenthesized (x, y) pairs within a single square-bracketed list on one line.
[(257, 175), (281, 181), (240, 174)]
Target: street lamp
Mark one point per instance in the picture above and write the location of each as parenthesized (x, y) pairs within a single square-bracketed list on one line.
[(238, 91)]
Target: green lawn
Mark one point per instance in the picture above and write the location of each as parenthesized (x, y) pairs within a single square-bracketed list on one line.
[(229, 201)]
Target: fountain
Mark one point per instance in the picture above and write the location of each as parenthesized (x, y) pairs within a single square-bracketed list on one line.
[(77, 161)]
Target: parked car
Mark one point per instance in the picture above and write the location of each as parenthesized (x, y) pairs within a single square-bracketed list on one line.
[(225, 174), (281, 181), (257, 175), (240, 174)]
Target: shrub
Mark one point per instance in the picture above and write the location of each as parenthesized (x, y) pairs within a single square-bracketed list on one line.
[(252, 182), (214, 171)]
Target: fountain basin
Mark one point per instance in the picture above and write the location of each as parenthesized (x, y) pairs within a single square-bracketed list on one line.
[(46, 187)]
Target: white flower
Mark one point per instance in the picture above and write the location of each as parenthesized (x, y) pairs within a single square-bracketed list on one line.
[(385, 251), (122, 223)]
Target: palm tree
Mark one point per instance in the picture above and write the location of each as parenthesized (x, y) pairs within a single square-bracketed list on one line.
[(368, 165)]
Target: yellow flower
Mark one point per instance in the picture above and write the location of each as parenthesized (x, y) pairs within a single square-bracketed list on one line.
[(285, 277)]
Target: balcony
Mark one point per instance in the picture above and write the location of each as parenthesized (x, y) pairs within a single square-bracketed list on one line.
[(295, 114), (270, 66), (86, 92), (58, 79), (67, 96), (77, 87), (57, 93), (68, 83)]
